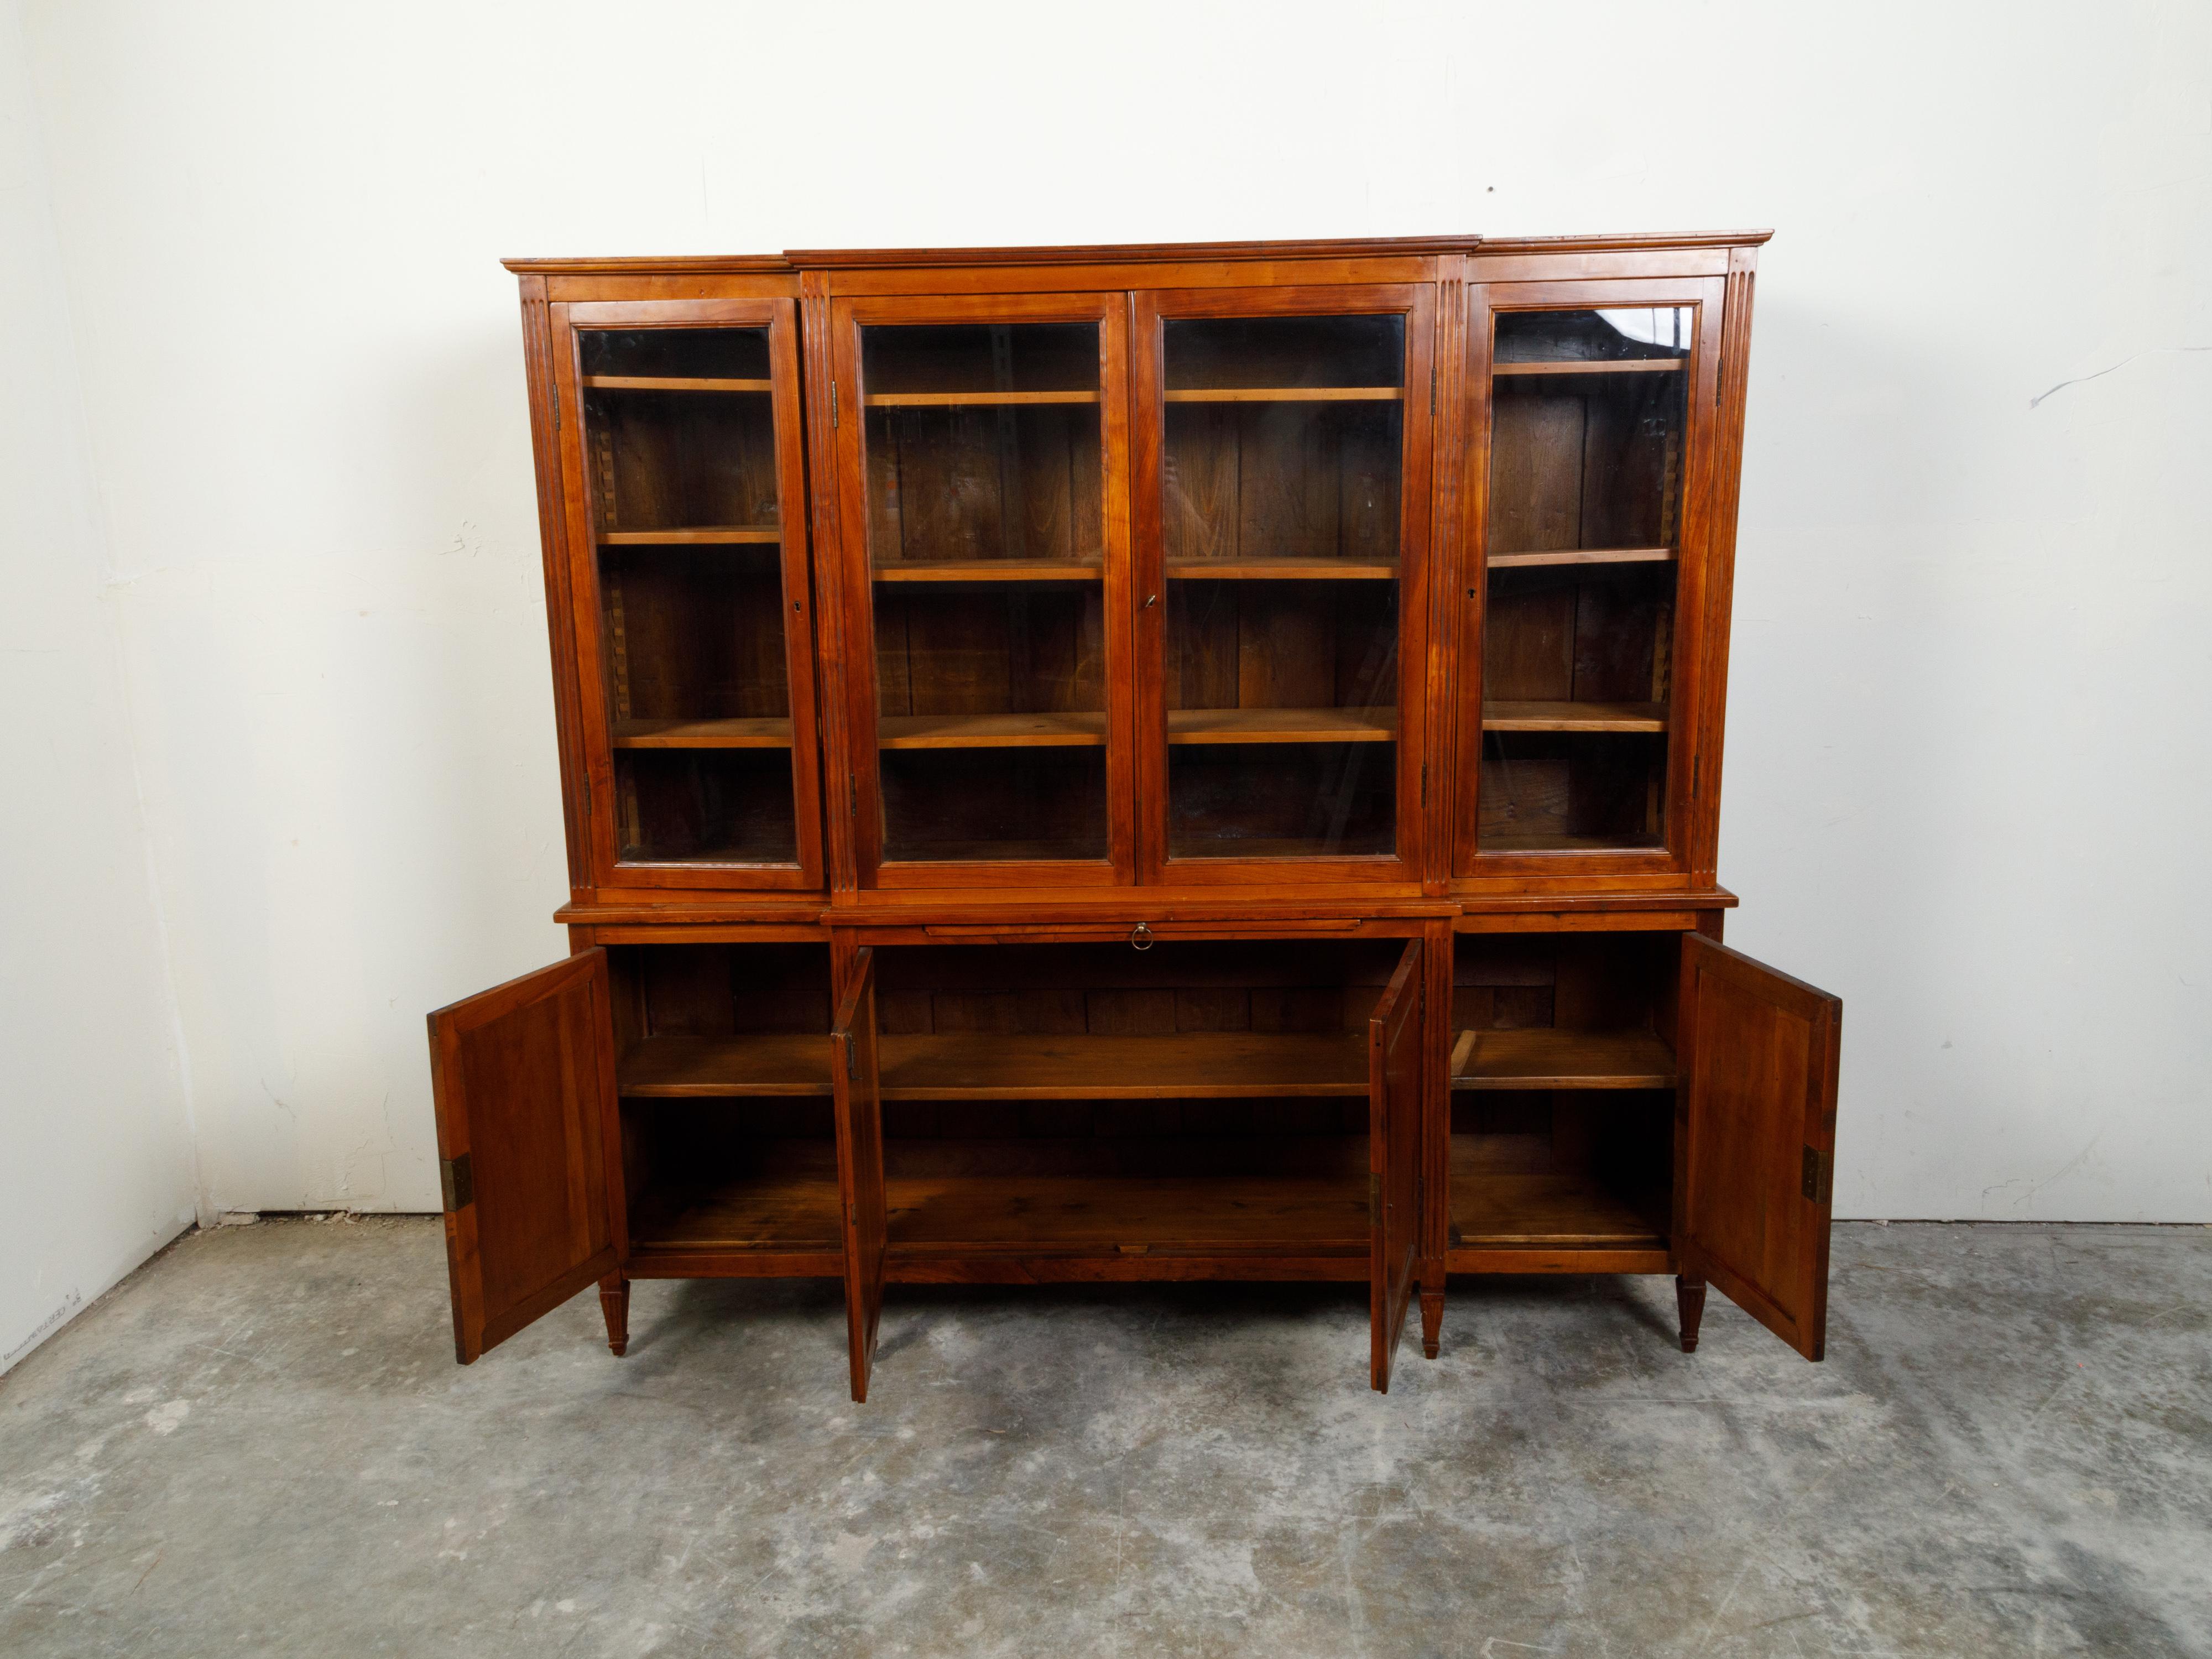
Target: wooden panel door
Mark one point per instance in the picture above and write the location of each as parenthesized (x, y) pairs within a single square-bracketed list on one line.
[(1394, 1117), (523, 1076), (861, 1163), (685, 521), (979, 445), (1281, 501), (1755, 1137), (1585, 506)]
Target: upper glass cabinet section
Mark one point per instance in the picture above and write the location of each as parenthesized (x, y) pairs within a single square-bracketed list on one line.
[(1282, 464), (986, 560), (1588, 427), (680, 448)]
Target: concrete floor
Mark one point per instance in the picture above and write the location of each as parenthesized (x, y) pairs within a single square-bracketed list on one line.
[(259, 1444)]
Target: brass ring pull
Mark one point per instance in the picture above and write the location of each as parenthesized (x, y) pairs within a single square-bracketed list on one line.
[(1140, 937)]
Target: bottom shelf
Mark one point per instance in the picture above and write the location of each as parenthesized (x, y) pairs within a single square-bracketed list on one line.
[(1506, 1219), (1299, 1196), (1293, 1206)]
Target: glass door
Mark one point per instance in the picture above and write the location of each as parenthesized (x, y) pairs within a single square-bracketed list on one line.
[(1589, 411), (1282, 491), (688, 572), (981, 447)]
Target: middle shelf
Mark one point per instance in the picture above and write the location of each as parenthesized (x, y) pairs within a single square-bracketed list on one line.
[(1075, 729), (976, 1066)]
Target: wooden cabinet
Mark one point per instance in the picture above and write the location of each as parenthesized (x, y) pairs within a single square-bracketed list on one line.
[(1127, 763)]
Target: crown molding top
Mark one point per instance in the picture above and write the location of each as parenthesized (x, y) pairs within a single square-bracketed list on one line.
[(1127, 253)]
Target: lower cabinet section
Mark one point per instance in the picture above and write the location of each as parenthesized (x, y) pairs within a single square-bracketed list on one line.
[(1246, 1107)]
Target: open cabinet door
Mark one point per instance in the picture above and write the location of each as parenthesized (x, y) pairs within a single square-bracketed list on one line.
[(861, 1163), (524, 1079), (1394, 1181), (1755, 1137)]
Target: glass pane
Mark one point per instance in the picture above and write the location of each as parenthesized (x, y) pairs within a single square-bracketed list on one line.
[(1284, 451), (1589, 419), (985, 541), (680, 441)]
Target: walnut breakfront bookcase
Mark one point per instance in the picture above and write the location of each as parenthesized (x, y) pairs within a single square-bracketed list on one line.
[(1179, 762)]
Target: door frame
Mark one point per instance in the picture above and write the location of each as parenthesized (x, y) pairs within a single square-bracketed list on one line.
[(579, 517), (1150, 308), (859, 827), (1690, 797)]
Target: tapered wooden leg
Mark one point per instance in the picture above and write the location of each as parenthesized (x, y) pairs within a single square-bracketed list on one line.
[(1690, 1300), (1432, 1319), (613, 1303)]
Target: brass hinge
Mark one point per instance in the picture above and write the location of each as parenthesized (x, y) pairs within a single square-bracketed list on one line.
[(557, 411), (852, 1057), (1424, 783), (1819, 1176), (1374, 1198), (833, 403), (457, 1183)]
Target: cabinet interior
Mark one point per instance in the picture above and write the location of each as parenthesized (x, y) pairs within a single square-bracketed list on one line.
[(1283, 449), (986, 560), (1589, 421), (1562, 1078), (681, 453), (1065, 1099)]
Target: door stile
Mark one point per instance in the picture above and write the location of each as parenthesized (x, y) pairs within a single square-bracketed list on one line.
[(859, 1100), (1436, 1132), (1757, 1055), (1446, 483), (1732, 377), (1396, 1070), (830, 559), (545, 441)]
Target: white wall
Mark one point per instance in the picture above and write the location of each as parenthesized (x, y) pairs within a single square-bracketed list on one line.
[(95, 1155), (1968, 772)]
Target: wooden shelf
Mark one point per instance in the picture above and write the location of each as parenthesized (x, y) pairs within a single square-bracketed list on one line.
[(1574, 716), (1545, 842), (987, 1065), (1602, 366), (1490, 1210), (762, 734), (992, 570), (678, 1068), (1277, 570), (1282, 725), (794, 1210), (1129, 1214), (785, 1212), (1002, 852), (980, 399), (1549, 1059), (1190, 1065), (671, 383), (705, 535), (1068, 731), (1583, 555), (1291, 394)]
